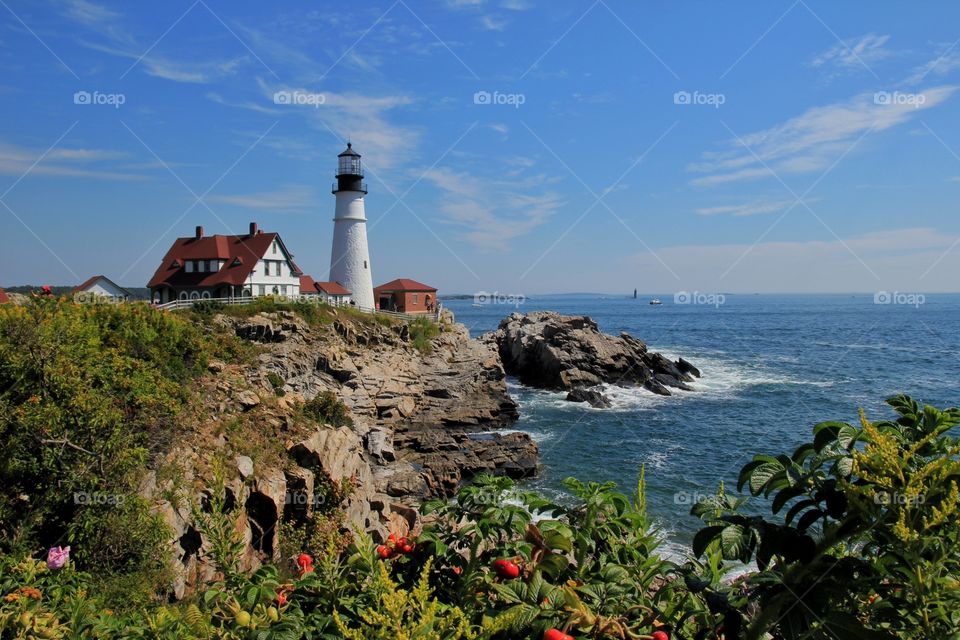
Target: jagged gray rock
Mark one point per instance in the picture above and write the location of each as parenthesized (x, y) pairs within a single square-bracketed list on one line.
[(552, 351)]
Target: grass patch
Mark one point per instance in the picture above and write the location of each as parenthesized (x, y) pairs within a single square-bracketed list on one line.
[(422, 332)]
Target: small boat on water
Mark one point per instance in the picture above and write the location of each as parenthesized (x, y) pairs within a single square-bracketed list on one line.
[(655, 301)]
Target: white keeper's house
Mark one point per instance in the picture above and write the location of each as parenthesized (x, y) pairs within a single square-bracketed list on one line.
[(220, 266)]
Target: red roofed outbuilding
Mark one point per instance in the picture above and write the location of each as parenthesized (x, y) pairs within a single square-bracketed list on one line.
[(226, 266), (406, 296), (330, 292), (3, 297)]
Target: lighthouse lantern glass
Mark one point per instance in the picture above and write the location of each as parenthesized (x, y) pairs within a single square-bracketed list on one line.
[(349, 165)]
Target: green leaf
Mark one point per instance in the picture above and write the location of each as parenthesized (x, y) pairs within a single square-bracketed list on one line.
[(762, 474), (704, 537), (808, 519), (797, 508), (785, 496)]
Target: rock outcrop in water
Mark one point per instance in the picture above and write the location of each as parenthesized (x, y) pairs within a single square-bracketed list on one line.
[(552, 351)]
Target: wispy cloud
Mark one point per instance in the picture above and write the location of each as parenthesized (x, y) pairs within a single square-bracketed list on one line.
[(946, 62), (745, 209), (810, 141), (190, 71), (354, 115), (82, 163), (492, 213), (854, 54), (290, 198)]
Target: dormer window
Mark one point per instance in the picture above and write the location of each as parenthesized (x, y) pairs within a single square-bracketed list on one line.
[(175, 265), (201, 266), (189, 266)]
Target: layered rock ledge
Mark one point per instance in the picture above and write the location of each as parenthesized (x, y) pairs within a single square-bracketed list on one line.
[(569, 353)]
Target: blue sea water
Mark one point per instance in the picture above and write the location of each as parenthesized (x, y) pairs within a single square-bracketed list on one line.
[(773, 366)]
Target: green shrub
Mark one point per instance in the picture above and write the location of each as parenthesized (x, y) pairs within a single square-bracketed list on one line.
[(869, 546), (327, 408), (277, 383)]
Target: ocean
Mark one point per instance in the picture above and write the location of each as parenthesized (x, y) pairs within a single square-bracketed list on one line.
[(773, 366)]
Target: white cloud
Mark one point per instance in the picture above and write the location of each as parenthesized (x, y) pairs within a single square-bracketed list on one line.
[(492, 213), (291, 198), (517, 5), (196, 72), (362, 118), (745, 209), (954, 179), (945, 63), (499, 128), (810, 141), (854, 53), (895, 259), (16, 161), (89, 13), (253, 106), (492, 23)]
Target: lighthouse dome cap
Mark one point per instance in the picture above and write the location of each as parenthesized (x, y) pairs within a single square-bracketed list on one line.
[(349, 151)]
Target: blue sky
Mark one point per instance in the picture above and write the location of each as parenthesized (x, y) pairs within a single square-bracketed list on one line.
[(519, 146)]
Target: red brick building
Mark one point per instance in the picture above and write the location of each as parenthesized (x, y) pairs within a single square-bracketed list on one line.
[(406, 296)]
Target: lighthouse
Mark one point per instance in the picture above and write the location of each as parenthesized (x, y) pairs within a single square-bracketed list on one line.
[(350, 257)]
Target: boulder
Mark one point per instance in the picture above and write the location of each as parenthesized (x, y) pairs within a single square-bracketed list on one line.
[(591, 396)]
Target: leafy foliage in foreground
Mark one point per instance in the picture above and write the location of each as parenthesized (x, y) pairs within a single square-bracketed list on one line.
[(868, 545), (863, 539)]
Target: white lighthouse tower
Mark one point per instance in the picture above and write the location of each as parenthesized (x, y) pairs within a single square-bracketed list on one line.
[(350, 257)]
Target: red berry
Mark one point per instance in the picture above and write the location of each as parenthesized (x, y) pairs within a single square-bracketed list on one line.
[(406, 547), (456, 570), (392, 538), (659, 635), (556, 634), (506, 569), (384, 552)]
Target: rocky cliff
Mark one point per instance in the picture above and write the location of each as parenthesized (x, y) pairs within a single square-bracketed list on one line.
[(422, 422)]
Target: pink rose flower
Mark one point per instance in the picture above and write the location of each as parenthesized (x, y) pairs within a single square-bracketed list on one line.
[(57, 557)]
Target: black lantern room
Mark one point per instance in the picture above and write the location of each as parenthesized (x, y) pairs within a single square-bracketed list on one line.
[(349, 172)]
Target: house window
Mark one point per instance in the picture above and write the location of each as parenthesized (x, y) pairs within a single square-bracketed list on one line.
[(283, 289), (205, 295), (263, 289), (414, 298), (364, 264), (183, 295), (189, 265), (201, 266), (274, 248)]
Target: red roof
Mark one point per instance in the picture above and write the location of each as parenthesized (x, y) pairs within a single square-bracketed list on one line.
[(240, 253), (308, 284), (404, 284), (89, 283), (332, 289), (3, 297)]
